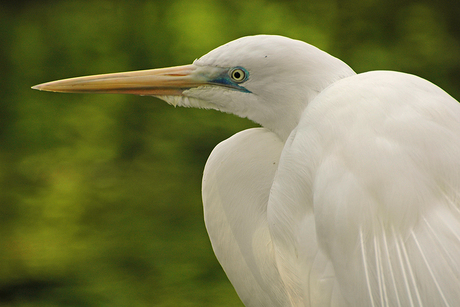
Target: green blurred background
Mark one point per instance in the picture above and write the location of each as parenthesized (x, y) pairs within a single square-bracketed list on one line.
[(100, 194)]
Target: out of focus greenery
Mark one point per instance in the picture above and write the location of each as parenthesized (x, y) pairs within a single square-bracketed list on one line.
[(100, 194)]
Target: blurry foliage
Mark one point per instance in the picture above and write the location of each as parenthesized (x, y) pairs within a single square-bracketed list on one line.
[(100, 194)]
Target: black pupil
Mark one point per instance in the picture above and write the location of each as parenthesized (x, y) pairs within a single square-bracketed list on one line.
[(237, 75)]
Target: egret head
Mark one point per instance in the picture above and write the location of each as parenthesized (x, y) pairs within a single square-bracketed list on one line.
[(266, 78)]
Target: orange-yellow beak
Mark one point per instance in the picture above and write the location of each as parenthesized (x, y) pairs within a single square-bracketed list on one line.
[(154, 82)]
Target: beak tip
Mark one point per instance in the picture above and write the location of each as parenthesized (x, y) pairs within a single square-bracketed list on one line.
[(40, 87), (44, 87)]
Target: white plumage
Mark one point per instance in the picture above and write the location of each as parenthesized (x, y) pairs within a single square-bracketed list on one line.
[(349, 193)]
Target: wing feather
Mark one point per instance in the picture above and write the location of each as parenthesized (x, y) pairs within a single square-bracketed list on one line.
[(375, 161), (236, 184)]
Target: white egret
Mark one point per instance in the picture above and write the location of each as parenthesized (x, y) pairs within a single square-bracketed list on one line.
[(348, 195)]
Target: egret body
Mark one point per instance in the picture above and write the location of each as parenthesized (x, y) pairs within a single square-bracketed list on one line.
[(349, 193)]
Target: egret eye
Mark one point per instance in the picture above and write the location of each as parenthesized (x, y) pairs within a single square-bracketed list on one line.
[(238, 74)]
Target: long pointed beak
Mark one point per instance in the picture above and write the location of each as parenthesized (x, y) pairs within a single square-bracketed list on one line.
[(154, 82)]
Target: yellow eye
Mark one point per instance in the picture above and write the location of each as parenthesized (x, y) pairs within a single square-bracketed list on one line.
[(238, 75)]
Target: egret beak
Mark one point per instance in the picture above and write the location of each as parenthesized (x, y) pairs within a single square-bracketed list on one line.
[(155, 82)]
